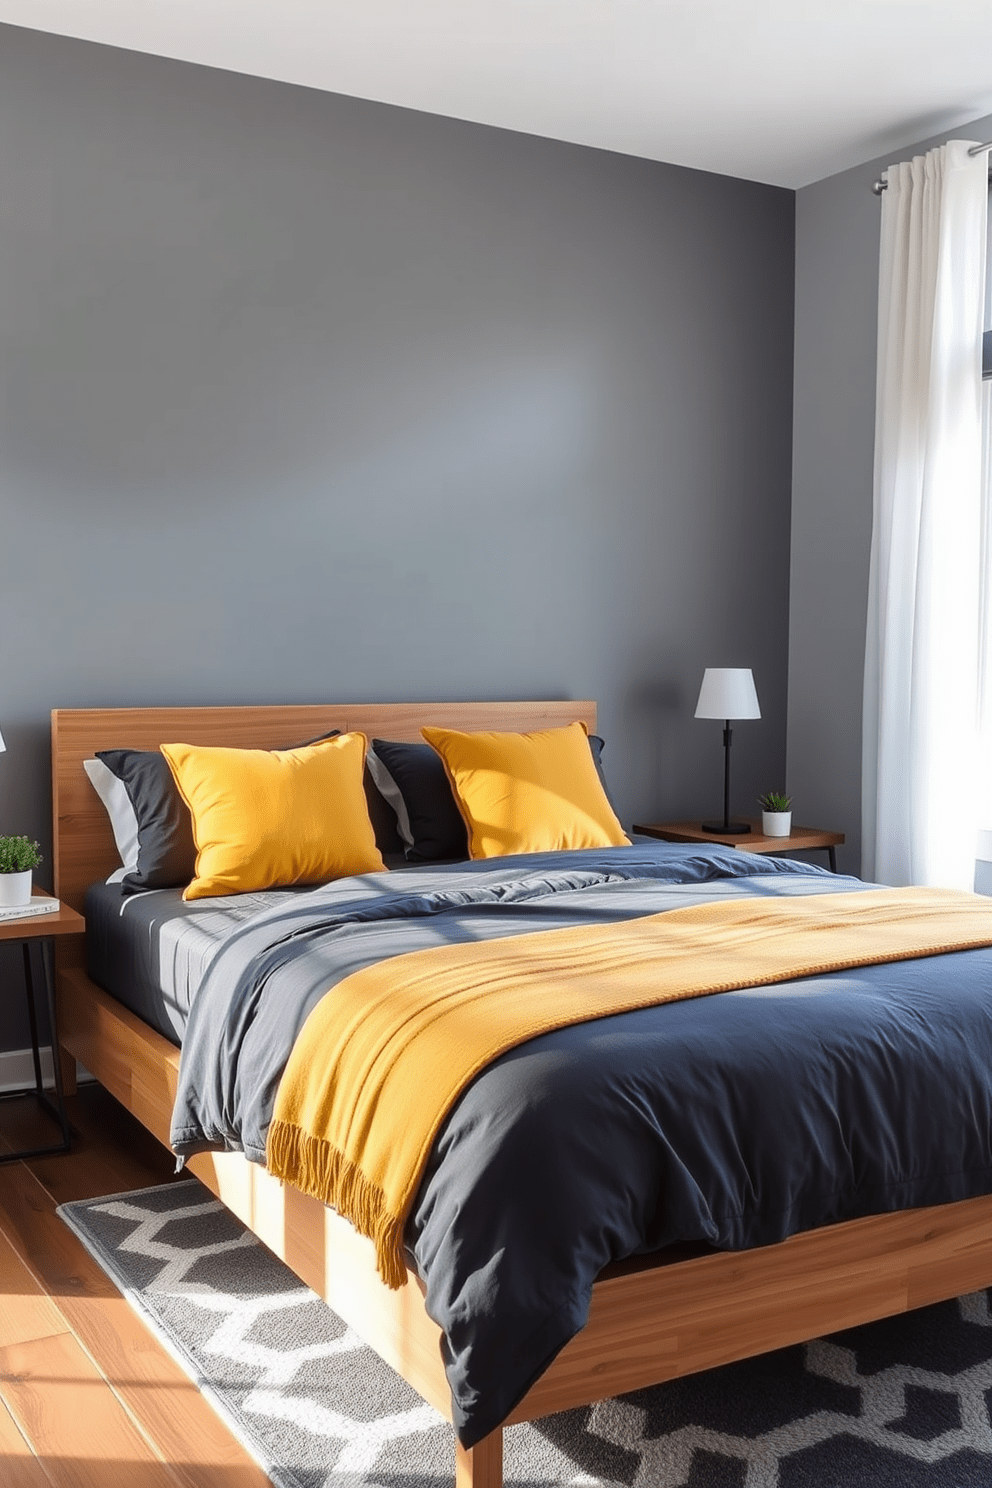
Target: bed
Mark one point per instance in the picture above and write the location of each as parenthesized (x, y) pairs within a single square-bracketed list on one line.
[(653, 1317)]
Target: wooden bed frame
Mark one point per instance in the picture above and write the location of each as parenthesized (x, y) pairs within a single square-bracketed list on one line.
[(650, 1320)]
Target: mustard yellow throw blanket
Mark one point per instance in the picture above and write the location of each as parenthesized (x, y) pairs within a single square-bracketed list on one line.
[(384, 1056)]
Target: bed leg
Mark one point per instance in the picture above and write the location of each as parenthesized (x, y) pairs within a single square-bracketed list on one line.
[(480, 1466), (67, 1069)]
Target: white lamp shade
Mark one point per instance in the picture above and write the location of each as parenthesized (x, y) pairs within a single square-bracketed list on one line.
[(728, 692)]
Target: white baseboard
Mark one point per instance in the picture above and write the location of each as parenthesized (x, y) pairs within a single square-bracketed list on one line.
[(17, 1069)]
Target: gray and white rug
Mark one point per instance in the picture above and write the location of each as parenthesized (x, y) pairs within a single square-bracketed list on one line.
[(898, 1404)]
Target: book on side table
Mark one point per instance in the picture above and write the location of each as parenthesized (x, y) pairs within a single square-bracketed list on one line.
[(38, 904)]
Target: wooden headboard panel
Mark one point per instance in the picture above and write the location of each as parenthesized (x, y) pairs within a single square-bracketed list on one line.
[(84, 845)]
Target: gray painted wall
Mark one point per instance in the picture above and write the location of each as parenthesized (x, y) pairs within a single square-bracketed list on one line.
[(304, 398), (837, 233)]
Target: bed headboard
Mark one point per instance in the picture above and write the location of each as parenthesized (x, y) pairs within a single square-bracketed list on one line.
[(83, 842)]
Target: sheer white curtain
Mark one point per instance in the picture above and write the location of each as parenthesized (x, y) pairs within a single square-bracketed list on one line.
[(984, 788), (922, 694)]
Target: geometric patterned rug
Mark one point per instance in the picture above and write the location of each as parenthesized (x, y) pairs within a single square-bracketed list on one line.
[(903, 1403)]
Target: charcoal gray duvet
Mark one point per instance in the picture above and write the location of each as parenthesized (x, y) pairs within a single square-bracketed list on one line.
[(734, 1120)]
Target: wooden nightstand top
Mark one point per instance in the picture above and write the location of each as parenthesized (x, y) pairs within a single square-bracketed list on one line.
[(62, 921), (753, 841)]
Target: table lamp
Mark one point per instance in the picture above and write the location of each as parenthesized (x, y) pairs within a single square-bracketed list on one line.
[(727, 692)]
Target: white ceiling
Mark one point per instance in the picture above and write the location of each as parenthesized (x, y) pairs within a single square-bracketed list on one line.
[(782, 91)]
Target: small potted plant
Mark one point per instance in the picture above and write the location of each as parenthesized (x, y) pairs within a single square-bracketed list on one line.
[(776, 814), (18, 857)]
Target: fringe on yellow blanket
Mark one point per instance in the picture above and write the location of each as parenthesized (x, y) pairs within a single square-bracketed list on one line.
[(321, 1170), (385, 1054)]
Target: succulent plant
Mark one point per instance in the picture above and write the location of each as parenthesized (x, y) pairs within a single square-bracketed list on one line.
[(775, 801)]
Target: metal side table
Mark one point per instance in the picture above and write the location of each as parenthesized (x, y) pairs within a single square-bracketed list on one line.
[(28, 929)]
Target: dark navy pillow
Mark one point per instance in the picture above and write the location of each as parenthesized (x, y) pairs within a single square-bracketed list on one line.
[(166, 850), (412, 778)]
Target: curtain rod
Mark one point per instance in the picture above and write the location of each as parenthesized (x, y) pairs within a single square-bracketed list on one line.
[(881, 185)]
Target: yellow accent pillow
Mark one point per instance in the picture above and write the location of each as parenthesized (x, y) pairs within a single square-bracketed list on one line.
[(267, 818), (523, 793)]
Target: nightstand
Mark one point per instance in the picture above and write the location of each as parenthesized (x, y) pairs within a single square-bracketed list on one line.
[(28, 929), (754, 841)]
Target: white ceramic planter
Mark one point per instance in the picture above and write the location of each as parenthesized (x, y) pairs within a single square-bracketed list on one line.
[(776, 823), (15, 889)]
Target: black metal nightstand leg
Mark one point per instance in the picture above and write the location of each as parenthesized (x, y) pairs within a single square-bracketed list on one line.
[(29, 994), (833, 859), (57, 1108)]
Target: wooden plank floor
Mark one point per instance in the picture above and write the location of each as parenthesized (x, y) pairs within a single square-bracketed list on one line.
[(88, 1398)]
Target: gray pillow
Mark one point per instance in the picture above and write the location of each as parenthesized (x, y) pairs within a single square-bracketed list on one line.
[(117, 804)]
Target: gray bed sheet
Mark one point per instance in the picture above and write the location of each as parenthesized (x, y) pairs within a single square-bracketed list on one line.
[(150, 951)]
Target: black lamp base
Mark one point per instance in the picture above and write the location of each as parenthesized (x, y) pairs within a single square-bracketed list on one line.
[(727, 827)]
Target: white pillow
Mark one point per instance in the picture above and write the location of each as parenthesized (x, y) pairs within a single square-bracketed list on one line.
[(123, 822)]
